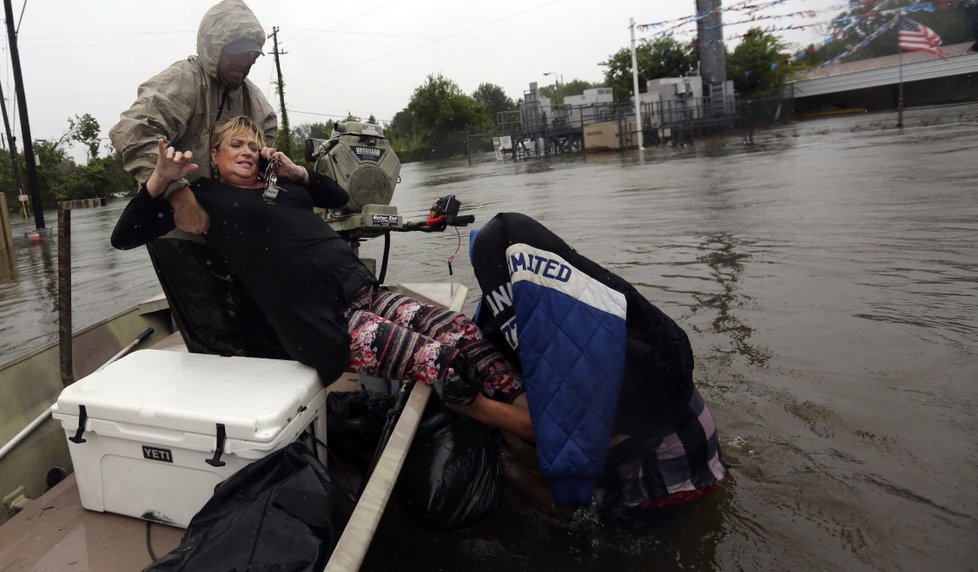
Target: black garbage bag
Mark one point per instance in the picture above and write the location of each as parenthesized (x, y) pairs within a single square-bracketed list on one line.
[(355, 421), (279, 513), (451, 477)]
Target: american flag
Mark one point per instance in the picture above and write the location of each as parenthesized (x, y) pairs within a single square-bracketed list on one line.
[(918, 37)]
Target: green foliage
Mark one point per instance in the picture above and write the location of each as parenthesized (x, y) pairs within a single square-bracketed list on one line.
[(311, 131), (284, 142), (59, 178), (103, 176), (954, 21), (760, 65), (572, 87), (85, 129), (665, 57), (443, 117), (400, 133), (115, 178), (55, 169), (321, 130), (7, 184), (494, 99)]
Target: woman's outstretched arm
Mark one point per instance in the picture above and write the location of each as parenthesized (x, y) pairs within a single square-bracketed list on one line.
[(508, 417), (148, 216)]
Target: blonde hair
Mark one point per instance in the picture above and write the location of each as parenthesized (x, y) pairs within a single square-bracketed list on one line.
[(233, 126)]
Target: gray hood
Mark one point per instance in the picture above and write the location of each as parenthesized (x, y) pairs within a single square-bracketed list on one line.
[(224, 23)]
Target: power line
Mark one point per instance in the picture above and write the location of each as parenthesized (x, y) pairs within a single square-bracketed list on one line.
[(441, 39), (350, 19), (344, 116)]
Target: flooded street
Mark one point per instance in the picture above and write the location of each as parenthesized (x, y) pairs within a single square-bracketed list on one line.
[(828, 279)]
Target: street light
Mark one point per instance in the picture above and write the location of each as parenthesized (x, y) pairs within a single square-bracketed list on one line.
[(558, 79)]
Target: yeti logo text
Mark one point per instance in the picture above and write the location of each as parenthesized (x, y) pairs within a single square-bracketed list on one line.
[(540, 266), (157, 454)]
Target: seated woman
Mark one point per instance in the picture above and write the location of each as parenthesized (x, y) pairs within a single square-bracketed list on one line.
[(323, 303), (609, 377)]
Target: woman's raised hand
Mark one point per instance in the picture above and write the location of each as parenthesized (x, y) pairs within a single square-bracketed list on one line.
[(172, 164)]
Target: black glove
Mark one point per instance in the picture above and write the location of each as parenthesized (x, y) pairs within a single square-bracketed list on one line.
[(460, 387)]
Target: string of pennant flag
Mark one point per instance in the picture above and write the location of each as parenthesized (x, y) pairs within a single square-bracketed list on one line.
[(860, 24)]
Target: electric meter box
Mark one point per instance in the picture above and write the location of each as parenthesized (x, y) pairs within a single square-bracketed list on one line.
[(153, 433)]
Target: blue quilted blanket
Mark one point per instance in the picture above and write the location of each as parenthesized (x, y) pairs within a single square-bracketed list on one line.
[(572, 348)]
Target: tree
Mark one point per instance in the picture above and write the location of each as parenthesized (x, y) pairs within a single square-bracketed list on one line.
[(664, 57), (760, 65), (443, 116), (494, 99), (61, 178), (55, 170), (572, 87), (7, 182), (85, 129), (400, 133), (101, 177)]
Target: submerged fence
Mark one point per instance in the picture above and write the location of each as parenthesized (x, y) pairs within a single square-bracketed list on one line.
[(566, 128)]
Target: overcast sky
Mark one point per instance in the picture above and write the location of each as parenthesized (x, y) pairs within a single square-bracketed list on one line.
[(363, 57)]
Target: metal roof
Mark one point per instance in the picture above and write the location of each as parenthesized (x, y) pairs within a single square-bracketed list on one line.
[(886, 70)]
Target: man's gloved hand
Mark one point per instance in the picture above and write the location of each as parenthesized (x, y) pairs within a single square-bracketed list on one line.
[(188, 215), (460, 387)]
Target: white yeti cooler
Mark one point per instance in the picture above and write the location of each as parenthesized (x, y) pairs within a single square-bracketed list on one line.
[(152, 434)]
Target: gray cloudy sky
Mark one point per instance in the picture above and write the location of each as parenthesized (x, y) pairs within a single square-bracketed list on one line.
[(364, 57)]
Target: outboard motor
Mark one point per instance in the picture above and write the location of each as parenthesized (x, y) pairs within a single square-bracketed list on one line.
[(361, 160)]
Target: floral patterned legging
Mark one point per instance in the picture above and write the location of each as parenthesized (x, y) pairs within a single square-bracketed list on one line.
[(397, 337)]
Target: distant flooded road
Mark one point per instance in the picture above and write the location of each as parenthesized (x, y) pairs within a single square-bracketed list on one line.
[(828, 279)]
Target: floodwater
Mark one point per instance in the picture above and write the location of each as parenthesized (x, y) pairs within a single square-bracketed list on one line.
[(828, 279)]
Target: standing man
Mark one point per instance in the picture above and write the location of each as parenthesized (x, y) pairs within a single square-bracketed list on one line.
[(181, 105)]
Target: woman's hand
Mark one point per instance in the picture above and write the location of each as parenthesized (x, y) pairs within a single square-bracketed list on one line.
[(286, 169), (170, 166)]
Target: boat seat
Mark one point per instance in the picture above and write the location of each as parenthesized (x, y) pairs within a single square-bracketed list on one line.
[(212, 310)]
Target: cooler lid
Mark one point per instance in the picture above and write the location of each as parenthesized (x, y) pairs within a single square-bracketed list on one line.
[(254, 398)]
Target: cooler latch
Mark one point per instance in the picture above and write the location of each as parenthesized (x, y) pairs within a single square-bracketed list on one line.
[(216, 460), (82, 421)]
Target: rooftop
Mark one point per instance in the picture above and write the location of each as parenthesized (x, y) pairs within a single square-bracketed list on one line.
[(886, 61)]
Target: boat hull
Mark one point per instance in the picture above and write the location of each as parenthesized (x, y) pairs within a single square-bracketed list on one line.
[(31, 383)]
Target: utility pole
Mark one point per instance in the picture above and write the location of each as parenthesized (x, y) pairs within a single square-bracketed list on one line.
[(13, 145), (25, 125), (638, 104), (900, 82), (286, 129)]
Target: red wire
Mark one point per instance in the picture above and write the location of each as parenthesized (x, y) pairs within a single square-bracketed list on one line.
[(458, 245)]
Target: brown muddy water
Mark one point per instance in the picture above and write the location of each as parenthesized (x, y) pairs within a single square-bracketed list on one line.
[(828, 279)]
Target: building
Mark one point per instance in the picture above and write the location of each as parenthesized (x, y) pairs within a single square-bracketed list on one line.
[(874, 84)]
